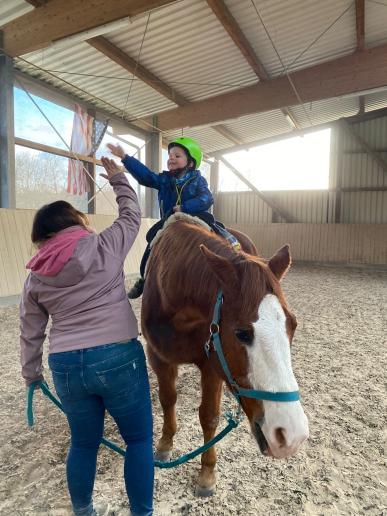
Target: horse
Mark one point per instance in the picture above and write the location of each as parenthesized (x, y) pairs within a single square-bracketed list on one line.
[(188, 267)]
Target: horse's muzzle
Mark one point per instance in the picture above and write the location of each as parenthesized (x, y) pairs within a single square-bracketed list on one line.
[(260, 438)]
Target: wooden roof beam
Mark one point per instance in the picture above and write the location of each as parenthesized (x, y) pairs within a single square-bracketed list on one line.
[(118, 56), (229, 135), (360, 24), (229, 23), (114, 53), (38, 3), (121, 58), (346, 75), (225, 17), (59, 19), (360, 39)]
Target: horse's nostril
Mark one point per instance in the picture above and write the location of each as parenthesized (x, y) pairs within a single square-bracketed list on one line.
[(280, 437)]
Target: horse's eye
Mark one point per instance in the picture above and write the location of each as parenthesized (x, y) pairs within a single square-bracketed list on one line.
[(244, 336)]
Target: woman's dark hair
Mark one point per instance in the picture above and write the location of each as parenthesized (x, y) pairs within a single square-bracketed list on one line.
[(54, 217)]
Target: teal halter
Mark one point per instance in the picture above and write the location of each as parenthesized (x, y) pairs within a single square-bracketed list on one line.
[(239, 392)]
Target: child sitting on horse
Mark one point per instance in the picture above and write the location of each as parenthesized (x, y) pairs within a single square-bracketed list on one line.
[(180, 189)]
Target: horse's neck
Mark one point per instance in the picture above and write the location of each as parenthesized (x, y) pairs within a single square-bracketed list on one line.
[(183, 268)]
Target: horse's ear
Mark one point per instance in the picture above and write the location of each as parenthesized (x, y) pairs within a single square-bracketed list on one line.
[(280, 262), (222, 268)]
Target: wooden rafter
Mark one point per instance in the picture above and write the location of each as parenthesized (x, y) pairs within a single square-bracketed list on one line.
[(360, 39), (356, 119), (121, 58), (38, 3), (360, 24), (342, 76), (229, 135), (370, 115), (228, 21), (62, 18), (114, 53)]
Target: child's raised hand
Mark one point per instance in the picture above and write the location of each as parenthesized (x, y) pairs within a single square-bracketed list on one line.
[(116, 150), (111, 168)]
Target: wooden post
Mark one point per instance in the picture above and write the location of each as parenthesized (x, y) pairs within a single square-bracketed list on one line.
[(214, 183), (7, 142), (339, 173), (91, 168), (153, 161)]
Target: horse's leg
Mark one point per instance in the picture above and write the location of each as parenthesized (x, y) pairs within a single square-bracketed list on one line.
[(209, 418), (166, 376)]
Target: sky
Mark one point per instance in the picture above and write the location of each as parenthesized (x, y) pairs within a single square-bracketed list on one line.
[(292, 164)]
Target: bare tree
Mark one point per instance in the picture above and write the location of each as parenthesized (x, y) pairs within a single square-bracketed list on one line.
[(41, 178)]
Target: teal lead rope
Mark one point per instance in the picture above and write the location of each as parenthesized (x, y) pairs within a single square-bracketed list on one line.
[(233, 422)]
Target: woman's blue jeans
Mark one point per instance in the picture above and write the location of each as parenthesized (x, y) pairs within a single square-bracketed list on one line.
[(88, 381)]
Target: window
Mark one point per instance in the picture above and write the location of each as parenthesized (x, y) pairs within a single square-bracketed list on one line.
[(105, 203), (102, 150), (300, 163), (105, 200), (41, 178), (30, 124)]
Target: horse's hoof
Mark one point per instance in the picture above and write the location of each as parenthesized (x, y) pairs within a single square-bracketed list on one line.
[(204, 492), (162, 456)]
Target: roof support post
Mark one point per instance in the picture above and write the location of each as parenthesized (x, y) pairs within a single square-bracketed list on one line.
[(214, 177), (339, 174), (214, 181), (91, 168), (7, 136), (153, 160)]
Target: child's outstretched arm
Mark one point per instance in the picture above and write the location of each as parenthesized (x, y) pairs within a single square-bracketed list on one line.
[(201, 202), (139, 171)]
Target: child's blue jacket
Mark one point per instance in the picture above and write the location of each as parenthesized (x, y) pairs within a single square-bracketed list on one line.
[(195, 194)]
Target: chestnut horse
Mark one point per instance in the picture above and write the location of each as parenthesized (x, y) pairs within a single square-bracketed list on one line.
[(187, 267)]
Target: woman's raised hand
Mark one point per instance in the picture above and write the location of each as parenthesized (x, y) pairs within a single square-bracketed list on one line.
[(116, 150), (111, 168)]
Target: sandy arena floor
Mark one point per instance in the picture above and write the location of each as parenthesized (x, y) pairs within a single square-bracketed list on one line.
[(339, 357)]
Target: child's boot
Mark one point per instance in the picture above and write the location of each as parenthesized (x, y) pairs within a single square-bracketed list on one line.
[(137, 289)]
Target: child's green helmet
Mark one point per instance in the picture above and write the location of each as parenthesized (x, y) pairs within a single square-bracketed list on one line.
[(191, 146)]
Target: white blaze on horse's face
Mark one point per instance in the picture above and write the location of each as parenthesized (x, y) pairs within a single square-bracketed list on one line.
[(285, 424)]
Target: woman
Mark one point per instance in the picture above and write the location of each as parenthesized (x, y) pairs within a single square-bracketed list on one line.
[(97, 363)]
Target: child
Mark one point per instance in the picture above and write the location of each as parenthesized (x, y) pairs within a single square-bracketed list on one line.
[(181, 188)]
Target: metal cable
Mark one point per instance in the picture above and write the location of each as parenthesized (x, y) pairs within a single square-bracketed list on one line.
[(137, 62)]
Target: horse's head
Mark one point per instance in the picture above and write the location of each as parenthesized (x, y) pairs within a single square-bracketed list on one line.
[(256, 331)]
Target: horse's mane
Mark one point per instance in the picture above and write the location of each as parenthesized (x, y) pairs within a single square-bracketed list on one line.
[(178, 263)]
